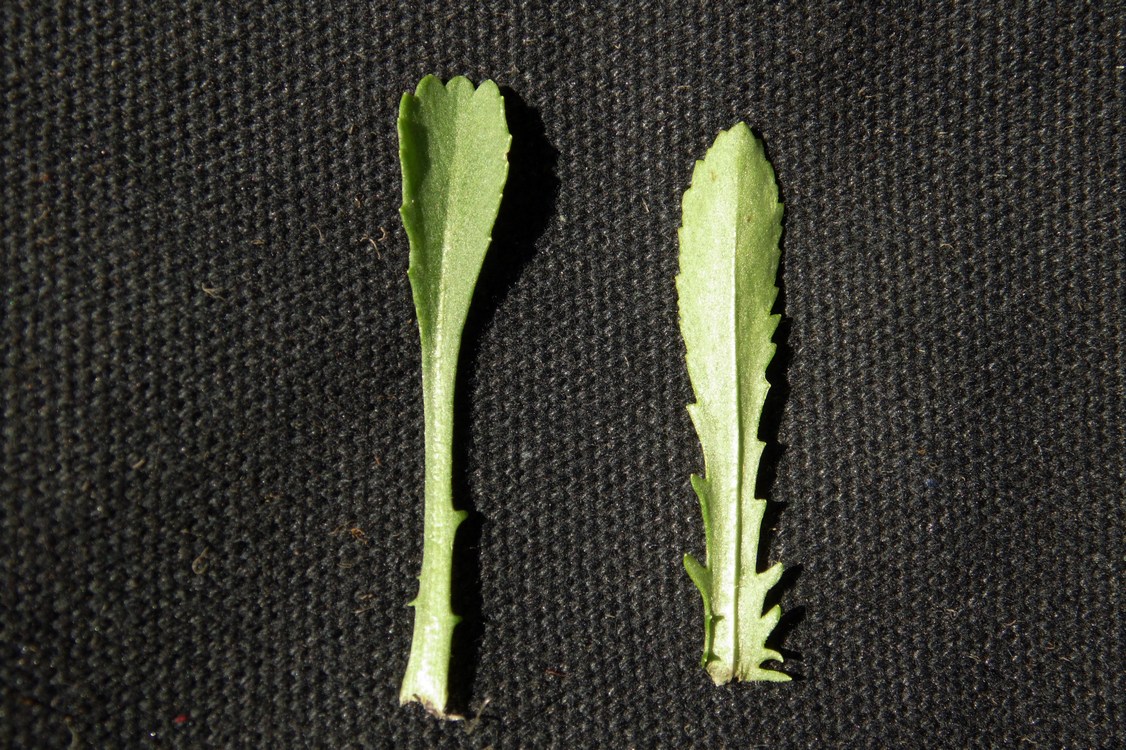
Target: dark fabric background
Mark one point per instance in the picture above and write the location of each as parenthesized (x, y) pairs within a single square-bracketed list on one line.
[(211, 388)]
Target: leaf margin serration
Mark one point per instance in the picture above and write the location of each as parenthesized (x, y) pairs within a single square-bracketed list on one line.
[(694, 206)]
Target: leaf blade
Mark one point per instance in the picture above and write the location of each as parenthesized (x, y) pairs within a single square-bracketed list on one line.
[(729, 258), (453, 147)]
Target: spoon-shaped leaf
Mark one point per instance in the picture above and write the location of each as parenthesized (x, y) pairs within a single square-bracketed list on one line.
[(453, 146)]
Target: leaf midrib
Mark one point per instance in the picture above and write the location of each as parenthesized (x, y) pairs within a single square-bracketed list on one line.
[(448, 244), (736, 557)]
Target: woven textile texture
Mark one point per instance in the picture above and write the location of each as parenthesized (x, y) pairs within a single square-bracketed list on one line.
[(212, 419)]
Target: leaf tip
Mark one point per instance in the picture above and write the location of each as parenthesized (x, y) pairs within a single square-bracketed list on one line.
[(489, 87), (769, 654), (771, 618), (771, 576), (700, 576), (428, 82)]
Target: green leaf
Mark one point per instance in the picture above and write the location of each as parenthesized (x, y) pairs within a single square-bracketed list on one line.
[(453, 146), (732, 221)]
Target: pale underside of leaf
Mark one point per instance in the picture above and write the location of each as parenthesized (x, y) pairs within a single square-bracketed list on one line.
[(728, 264)]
